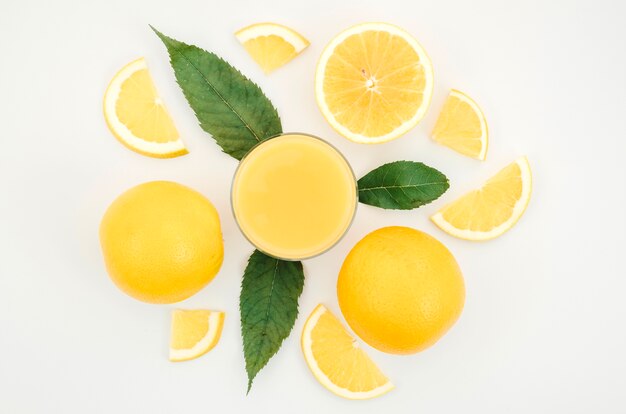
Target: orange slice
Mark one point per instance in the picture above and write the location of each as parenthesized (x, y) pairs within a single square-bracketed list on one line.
[(194, 333), (462, 126), (137, 116), (271, 45), (336, 360), (373, 83), (493, 209)]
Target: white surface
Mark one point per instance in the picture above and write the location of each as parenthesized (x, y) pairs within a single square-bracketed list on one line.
[(543, 326)]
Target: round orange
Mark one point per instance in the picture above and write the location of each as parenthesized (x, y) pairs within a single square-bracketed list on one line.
[(400, 290), (161, 242)]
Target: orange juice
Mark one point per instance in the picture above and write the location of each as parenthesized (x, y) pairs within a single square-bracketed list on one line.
[(294, 196)]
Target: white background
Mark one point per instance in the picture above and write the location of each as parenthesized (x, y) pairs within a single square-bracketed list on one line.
[(543, 326)]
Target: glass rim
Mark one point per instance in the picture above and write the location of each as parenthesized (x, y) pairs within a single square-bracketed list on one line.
[(354, 210)]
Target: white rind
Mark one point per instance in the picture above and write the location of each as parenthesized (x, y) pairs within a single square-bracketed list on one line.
[(202, 345), (518, 211), (267, 29), (121, 130), (319, 374), (424, 61)]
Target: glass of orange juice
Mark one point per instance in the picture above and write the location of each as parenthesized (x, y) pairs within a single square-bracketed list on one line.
[(294, 196)]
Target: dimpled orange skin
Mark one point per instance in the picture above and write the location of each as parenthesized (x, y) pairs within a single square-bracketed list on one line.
[(400, 290), (161, 242)]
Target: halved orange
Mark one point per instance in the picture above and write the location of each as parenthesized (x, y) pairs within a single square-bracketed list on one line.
[(373, 83)]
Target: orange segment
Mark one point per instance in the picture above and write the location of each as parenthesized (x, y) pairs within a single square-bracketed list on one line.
[(271, 45), (194, 333), (462, 126), (136, 115), (336, 360), (493, 209)]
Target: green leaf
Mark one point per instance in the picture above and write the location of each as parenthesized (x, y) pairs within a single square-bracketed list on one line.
[(269, 306), (402, 185), (228, 105)]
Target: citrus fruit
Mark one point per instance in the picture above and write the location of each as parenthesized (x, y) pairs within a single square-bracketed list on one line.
[(373, 83), (336, 360), (271, 45), (400, 290), (462, 126), (137, 116), (491, 210), (194, 333), (161, 242)]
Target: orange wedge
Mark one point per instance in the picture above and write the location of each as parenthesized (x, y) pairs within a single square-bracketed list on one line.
[(336, 360)]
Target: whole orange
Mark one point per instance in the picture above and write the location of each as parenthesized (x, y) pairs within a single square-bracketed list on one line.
[(400, 290), (161, 241)]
